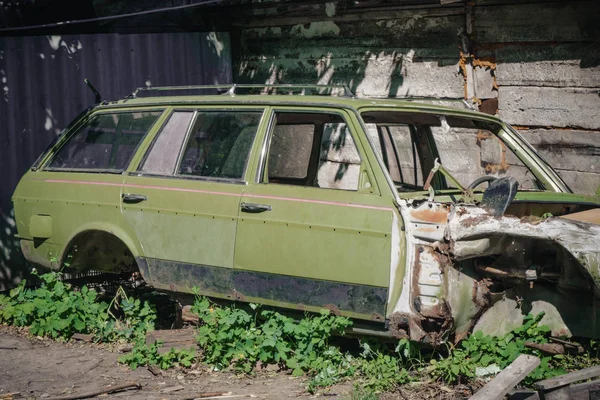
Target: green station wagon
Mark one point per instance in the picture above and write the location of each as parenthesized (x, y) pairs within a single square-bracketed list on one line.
[(418, 220)]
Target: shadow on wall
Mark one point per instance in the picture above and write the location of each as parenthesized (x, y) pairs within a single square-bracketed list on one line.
[(379, 74), (414, 54), (13, 266)]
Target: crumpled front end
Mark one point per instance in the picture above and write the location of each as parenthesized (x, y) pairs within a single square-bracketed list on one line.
[(469, 270)]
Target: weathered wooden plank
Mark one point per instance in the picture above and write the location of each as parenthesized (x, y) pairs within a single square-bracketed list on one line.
[(172, 338), (584, 391), (560, 107), (413, 32), (257, 49), (522, 395), (590, 216), (270, 18), (567, 379), (508, 378), (188, 316), (555, 21)]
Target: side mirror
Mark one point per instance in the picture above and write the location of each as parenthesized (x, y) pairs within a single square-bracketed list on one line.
[(498, 196)]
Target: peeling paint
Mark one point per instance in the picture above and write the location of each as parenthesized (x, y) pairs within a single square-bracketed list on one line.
[(316, 29)]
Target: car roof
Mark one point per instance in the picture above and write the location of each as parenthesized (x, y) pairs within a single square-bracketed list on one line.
[(356, 103)]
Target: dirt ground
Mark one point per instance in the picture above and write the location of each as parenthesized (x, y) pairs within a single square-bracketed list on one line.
[(39, 368), (42, 369)]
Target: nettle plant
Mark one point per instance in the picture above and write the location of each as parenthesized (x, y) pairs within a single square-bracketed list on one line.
[(243, 339), (481, 353), (240, 339), (55, 309)]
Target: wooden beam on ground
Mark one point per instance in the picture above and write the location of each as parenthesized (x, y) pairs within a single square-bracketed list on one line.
[(567, 379), (498, 387), (182, 339)]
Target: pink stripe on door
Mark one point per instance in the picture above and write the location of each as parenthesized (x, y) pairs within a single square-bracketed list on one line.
[(294, 199)]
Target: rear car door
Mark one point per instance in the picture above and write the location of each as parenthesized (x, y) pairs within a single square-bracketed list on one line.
[(77, 186), (183, 199), (314, 231)]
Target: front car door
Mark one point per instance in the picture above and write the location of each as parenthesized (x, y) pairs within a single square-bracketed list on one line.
[(183, 199), (314, 230)]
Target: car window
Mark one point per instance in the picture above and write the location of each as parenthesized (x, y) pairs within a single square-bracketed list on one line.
[(469, 149), (106, 142), (397, 146), (219, 144), (313, 149), (291, 146), (470, 153), (162, 156)]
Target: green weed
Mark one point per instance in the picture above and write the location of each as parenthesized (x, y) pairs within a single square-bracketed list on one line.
[(241, 339), (144, 354), (58, 311), (234, 337), (483, 351)]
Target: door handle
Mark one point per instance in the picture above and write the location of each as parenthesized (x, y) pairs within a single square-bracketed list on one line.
[(255, 208), (133, 198)]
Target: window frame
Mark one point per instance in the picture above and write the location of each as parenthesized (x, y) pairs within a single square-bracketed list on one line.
[(262, 170), (263, 109), (81, 123), (522, 149), (138, 168)]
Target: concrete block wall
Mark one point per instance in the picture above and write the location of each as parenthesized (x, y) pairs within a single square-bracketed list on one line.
[(547, 72), (534, 63)]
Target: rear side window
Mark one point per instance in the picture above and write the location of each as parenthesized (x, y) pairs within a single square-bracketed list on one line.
[(291, 147), (313, 149), (106, 142), (219, 144)]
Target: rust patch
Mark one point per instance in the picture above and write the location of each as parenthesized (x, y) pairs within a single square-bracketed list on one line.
[(530, 219), (377, 317), (416, 273), (489, 106), (333, 308), (435, 216), (398, 325), (461, 211), (238, 296), (481, 293), (301, 307), (472, 221)]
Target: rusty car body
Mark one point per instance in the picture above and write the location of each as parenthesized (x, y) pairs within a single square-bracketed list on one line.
[(373, 208)]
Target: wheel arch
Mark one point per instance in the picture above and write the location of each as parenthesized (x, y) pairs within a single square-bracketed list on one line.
[(101, 239)]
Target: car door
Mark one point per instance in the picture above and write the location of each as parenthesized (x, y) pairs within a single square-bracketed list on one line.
[(183, 199), (314, 231)]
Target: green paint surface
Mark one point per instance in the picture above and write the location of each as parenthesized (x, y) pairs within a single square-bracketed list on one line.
[(310, 234)]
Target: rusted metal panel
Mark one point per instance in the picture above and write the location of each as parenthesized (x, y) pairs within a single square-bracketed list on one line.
[(362, 301), (42, 90)]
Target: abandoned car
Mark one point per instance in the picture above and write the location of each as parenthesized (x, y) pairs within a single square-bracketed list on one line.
[(418, 220)]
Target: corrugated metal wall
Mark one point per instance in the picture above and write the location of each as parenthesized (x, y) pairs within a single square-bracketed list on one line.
[(42, 90)]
